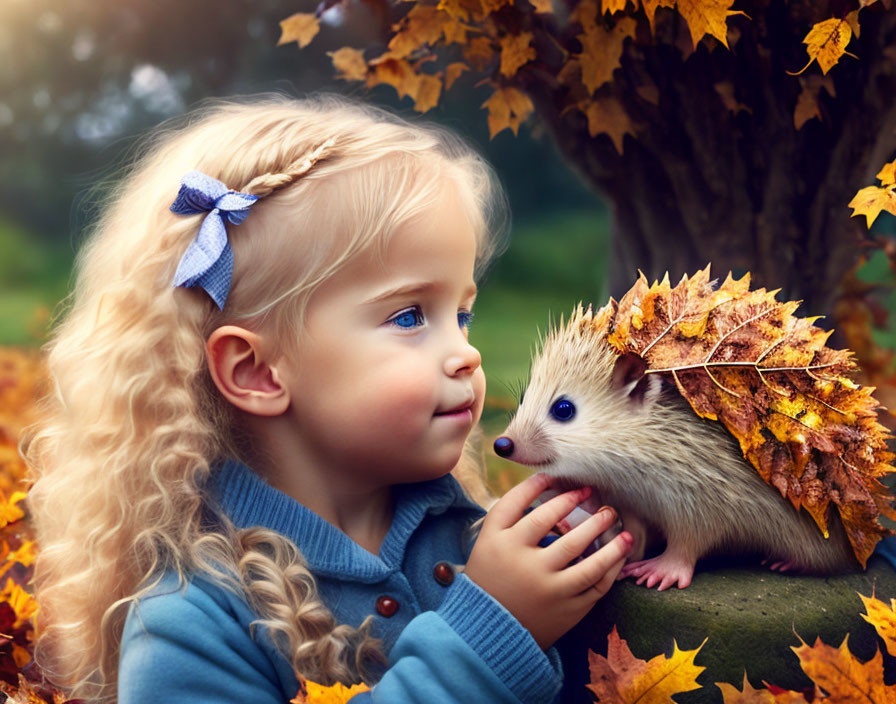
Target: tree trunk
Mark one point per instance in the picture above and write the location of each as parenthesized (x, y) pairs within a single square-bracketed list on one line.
[(743, 190)]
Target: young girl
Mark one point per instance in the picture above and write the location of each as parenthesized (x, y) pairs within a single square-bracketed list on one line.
[(243, 475)]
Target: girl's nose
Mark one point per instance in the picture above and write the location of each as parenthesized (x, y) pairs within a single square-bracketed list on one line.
[(464, 360)]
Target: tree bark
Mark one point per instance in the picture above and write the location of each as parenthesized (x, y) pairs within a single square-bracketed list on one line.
[(744, 190)]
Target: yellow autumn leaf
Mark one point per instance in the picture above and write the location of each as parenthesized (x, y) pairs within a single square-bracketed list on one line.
[(601, 52), (421, 26), (606, 115), (321, 694), (428, 91), (516, 50), (507, 108), (707, 17), (826, 43), (871, 200), (585, 13), (300, 27), (883, 618), (479, 52), (462, 10), (747, 695), (887, 175), (349, 63), (21, 602), (621, 678), (454, 31), (453, 72), (9, 510), (542, 5), (612, 6), (651, 6), (397, 73)]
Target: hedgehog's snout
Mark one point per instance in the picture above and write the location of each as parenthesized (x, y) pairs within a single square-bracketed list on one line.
[(504, 446)]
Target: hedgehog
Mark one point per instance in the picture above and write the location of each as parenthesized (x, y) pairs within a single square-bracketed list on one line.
[(591, 416)]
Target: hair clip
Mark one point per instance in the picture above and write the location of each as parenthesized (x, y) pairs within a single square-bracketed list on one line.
[(208, 261)]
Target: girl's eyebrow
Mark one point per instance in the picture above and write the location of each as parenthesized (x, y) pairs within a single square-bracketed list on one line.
[(415, 288)]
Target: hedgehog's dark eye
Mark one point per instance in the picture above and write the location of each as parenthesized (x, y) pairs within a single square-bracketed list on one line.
[(563, 409)]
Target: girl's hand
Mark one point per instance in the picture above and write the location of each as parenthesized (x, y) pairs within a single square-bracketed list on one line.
[(539, 586)]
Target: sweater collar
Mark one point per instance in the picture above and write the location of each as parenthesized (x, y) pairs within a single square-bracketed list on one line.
[(248, 500)]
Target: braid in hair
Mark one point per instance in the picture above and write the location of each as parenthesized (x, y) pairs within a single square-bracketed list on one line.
[(266, 184)]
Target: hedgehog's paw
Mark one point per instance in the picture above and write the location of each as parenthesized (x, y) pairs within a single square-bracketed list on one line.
[(779, 566), (665, 570)]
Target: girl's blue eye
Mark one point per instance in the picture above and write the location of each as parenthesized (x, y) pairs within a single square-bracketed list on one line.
[(563, 409), (465, 318), (410, 318)]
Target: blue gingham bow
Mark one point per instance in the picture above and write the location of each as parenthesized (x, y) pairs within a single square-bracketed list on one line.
[(208, 261)]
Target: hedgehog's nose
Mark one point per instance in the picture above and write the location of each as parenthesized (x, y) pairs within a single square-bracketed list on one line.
[(504, 446)]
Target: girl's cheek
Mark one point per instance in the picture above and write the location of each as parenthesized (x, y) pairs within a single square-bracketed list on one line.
[(479, 387)]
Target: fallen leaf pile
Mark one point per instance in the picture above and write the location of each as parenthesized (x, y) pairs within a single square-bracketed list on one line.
[(839, 677), (741, 358), (21, 379)]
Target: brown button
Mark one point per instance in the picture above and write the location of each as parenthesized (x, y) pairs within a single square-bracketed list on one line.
[(386, 606), (444, 573)]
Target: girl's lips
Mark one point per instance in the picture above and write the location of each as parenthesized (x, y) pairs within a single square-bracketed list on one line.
[(463, 412)]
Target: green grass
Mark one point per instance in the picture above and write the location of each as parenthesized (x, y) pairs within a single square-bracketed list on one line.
[(550, 266), (33, 279)]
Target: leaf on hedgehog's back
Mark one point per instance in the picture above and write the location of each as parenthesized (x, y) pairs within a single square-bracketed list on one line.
[(741, 357)]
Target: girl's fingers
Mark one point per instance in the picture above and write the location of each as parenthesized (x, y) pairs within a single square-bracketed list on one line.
[(567, 548), (538, 522), (509, 508), (583, 575), (601, 587)]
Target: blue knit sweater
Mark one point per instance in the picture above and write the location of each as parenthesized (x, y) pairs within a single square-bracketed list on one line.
[(445, 643)]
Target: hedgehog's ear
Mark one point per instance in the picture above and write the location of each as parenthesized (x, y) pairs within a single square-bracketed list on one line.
[(629, 377)]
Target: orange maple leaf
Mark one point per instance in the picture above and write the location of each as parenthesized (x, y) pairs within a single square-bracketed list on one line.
[(608, 116), (707, 17), (516, 50), (313, 693), (424, 24), (349, 63), (453, 72), (621, 678), (601, 52), (742, 358), (843, 676), (883, 618), (300, 27), (507, 108)]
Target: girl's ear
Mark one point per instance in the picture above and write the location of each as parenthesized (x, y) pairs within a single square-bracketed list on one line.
[(630, 378), (239, 368)]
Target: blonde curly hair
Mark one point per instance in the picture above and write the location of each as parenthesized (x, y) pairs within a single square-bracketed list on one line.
[(133, 423)]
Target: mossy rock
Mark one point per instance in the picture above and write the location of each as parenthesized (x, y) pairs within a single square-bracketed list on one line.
[(750, 618)]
